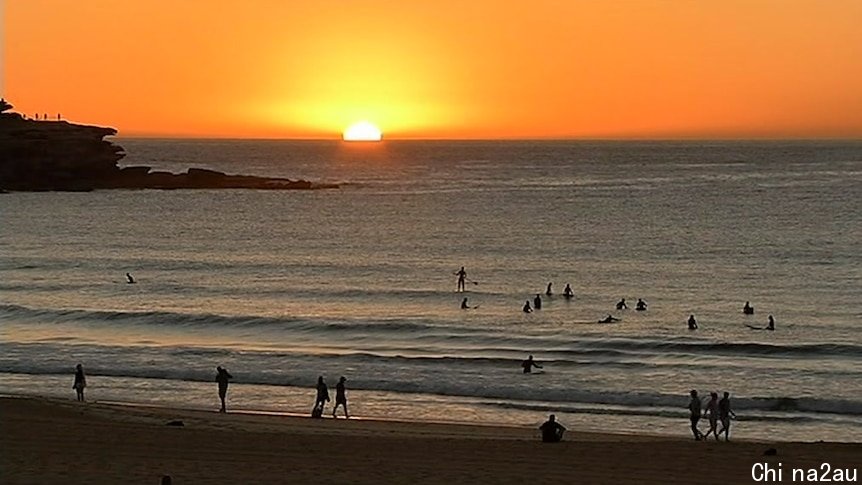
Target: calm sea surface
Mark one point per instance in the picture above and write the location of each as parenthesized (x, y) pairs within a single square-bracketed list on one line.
[(281, 287)]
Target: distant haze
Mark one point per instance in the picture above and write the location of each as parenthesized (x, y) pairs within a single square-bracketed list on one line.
[(441, 69)]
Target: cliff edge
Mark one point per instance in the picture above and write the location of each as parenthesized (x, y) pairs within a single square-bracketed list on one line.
[(42, 155)]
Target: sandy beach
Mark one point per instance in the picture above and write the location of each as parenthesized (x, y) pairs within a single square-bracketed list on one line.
[(51, 441)]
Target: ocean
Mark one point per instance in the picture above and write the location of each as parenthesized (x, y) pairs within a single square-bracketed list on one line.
[(281, 287)]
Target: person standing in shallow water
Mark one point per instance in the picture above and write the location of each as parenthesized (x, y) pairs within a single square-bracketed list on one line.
[(567, 291), (223, 377), (462, 279), (537, 302), (341, 397), (529, 364), (771, 324), (80, 382), (692, 323), (694, 409)]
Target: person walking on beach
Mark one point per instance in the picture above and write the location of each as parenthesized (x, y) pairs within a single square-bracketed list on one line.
[(567, 292), (692, 323), (341, 397), (694, 408), (462, 278), (548, 291), (223, 377), (552, 431), (321, 400), (724, 413), (621, 305), (527, 308), (537, 302), (529, 364), (80, 382), (711, 411)]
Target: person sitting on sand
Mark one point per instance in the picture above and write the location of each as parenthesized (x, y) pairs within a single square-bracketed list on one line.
[(341, 397), (711, 411), (322, 398), (129, 279), (724, 414), (567, 291), (548, 291), (621, 305), (537, 302), (223, 377), (552, 431), (748, 309), (609, 319), (80, 382), (527, 308), (771, 324), (529, 364), (692, 323), (694, 408), (641, 305)]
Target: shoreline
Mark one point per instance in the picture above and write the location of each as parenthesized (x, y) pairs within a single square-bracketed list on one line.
[(61, 441)]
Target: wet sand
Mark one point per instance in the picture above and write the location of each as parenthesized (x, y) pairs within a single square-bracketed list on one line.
[(50, 441)]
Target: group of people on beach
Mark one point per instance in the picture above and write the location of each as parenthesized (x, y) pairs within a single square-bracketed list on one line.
[(715, 410)]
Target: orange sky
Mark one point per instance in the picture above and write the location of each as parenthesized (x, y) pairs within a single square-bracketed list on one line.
[(441, 68)]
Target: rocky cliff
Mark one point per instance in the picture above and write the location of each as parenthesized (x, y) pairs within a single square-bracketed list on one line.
[(40, 155)]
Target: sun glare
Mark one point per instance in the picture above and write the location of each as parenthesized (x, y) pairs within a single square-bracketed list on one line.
[(362, 131)]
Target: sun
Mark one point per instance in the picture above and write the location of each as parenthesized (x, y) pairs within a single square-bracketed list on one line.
[(362, 131)]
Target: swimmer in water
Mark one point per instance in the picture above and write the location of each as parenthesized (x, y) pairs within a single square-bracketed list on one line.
[(609, 319)]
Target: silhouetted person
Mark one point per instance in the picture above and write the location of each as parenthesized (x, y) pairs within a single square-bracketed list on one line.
[(748, 309), (462, 278), (464, 305), (711, 411), (641, 305), (548, 291), (166, 480), (621, 305), (537, 302), (223, 378), (80, 382), (129, 279), (529, 364), (567, 291), (552, 431), (322, 398), (692, 323), (527, 308), (341, 397), (771, 324), (724, 413), (694, 409), (58, 116), (609, 319)]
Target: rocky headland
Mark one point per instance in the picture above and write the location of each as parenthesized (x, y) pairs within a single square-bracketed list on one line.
[(42, 155)]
